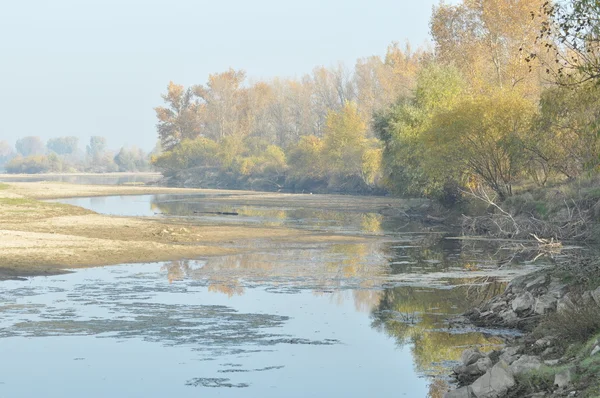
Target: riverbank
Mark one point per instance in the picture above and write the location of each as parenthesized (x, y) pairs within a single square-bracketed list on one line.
[(558, 309), (42, 238)]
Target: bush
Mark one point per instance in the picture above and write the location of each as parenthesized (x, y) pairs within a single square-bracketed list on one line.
[(28, 165), (189, 153), (576, 323)]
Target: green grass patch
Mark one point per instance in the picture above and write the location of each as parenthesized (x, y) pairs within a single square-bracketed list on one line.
[(534, 381), (17, 201), (3, 186)]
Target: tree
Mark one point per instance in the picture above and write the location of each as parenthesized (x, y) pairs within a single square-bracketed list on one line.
[(345, 140), (380, 82), (63, 145), (189, 153), (571, 32), (401, 128), (99, 158), (483, 39), (6, 152), (567, 135), (306, 158), (28, 165), (28, 146), (96, 147), (483, 137), (179, 120), (224, 106)]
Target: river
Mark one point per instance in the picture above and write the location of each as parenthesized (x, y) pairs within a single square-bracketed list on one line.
[(311, 319)]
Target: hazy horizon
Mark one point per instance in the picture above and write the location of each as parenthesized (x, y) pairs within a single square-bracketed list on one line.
[(99, 68)]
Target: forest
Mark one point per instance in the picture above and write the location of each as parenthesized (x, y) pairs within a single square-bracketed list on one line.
[(507, 97)]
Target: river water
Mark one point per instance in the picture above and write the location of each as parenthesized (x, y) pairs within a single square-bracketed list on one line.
[(309, 319)]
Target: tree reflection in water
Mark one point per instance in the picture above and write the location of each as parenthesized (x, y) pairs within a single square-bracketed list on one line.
[(415, 316), (396, 251)]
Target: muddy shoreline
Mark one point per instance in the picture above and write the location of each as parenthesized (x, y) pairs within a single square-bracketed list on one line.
[(38, 237)]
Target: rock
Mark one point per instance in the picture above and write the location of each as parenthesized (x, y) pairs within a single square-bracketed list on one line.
[(586, 298), (483, 364), (525, 364), (564, 304), (470, 356), (494, 383), (595, 350), (509, 355), (548, 351), (543, 342), (523, 302), (517, 284), (497, 307), (563, 379), (596, 295), (556, 287), (552, 362), (544, 304), (509, 316), (463, 392), (466, 374), (537, 282)]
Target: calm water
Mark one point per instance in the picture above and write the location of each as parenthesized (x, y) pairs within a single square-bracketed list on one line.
[(307, 319)]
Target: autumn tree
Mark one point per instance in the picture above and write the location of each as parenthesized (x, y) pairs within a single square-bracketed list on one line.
[(483, 137), (332, 88), (484, 38), (380, 82), (306, 158), (178, 120), (570, 31), (223, 106), (344, 141), (567, 136)]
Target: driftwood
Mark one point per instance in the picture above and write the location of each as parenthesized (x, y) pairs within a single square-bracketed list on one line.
[(220, 213)]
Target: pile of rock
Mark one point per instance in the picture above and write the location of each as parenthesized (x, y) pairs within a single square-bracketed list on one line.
[(524, 301), (494, 374)]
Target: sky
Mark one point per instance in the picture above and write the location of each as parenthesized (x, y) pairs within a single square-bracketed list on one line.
[(98, 67)]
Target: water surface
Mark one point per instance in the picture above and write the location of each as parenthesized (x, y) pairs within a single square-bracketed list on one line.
[(304, 319)]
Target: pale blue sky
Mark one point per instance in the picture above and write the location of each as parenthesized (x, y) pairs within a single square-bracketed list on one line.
[(98, 67)]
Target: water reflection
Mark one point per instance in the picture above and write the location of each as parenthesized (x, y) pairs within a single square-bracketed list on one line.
[(207, 208), (403, 280), (416, 316), (413, 315)]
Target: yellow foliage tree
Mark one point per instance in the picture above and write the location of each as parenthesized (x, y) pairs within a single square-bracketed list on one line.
[(481, 136)]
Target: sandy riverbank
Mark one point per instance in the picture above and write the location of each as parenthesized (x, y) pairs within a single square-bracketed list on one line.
[(40, 238)]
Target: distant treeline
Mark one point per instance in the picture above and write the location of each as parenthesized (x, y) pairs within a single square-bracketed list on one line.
[(285, 132), (62, 154)]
